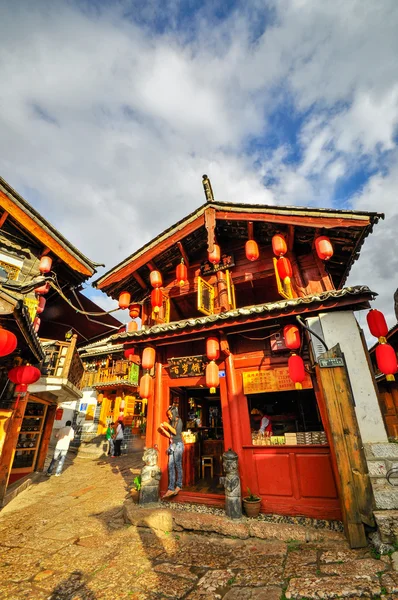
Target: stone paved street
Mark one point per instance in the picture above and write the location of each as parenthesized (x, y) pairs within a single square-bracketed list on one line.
[(67, 538)]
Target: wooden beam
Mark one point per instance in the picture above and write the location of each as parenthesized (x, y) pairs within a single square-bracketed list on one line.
[(139, 280), (3, 218), (151, 266), (290, 238), (46, 436), (302, 221), (210, 224), (46, 251), (250, 230), (183, 253), (45, 238), (11, 437)]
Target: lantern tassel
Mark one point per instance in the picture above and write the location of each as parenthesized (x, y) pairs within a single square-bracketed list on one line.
[(390, 377), (156, 309), (382, 340), (288, 287), (213, 390), (298, 386)]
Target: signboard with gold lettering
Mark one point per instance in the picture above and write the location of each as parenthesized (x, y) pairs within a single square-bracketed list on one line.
[(187, 366), (271, 380), (226, 262)]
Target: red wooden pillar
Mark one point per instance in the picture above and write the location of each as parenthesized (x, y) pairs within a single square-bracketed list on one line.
[(7, 455), (46, 435)]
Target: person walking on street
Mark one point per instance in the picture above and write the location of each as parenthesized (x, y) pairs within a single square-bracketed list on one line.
[(65, 435), (118, 438), (110, 432)]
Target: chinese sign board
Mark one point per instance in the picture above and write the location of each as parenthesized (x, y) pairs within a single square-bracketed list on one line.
[(134, 373), (227, 262), (331, 362), (187, 366), (271, 380)]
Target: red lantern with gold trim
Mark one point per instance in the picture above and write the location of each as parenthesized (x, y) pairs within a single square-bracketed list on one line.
[(131, 326), (129, 353), (156, 299), (45, 264), (279, 246), (124, 300), (212, 348), (212, 377), (215, 256), (181, 274), (43, 289), (8, 342), (148, 358), (23, 376), (284, 268), (291, 335), (155, 277), (135, 310), (296, 370), (146, 387), (386, 361), (323, 247), (251, 249), (377, 324)]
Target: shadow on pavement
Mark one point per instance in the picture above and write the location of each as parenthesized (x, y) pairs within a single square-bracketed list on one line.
[(73, 587)]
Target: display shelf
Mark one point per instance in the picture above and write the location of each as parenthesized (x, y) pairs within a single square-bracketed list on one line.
[(26, 449), (29, 432)]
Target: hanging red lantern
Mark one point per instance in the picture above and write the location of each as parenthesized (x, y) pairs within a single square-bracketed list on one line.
[(8, 342), (134, 310), (323, 247), (43, 289), (129, 353), (212, 377), (122, 405), (155, 278), (23, 376), (291, 335), (214, 257), (386, 361), (296, 370), (36, 324), (212, 348), (181, 273), (284, 268), (148, 358), (45, 264), (41, 305), (156, 299), (279, 246), (146, 387), (377, 325), (124, 300), (251, 249), (131, 326)]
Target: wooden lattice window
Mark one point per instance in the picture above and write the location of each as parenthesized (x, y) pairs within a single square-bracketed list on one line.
[(12, 270)]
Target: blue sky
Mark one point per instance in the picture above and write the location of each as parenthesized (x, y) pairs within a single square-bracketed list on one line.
[(112, 111)]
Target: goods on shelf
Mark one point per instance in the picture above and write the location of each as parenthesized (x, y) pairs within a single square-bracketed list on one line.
[(290, 439), (189, 437)]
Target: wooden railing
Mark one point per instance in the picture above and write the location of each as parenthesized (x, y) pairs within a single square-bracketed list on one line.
[(62, 360), (117, 370)]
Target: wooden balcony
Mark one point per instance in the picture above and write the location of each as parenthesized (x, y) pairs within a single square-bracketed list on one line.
[(63, 361), (117, 371)]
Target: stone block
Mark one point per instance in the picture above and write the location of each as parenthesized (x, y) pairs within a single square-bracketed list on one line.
[(387, 523), (386, 498), (385, 450), (377, 468)]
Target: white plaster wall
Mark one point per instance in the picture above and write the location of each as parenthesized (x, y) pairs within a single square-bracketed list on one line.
[(89, 398), (69, 408), (342, 328)]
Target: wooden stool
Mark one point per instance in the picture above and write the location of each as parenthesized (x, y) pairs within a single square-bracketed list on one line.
[(207, 461)]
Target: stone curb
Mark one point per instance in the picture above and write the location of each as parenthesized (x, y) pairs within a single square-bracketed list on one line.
[(167, 520)]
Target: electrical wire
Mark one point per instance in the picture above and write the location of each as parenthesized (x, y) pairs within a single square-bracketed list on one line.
[(78, 310)]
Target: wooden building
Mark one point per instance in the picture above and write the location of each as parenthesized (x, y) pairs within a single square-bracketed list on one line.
[(307, 466), (26, 423)]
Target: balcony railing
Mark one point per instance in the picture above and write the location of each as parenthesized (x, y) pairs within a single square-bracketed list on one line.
[(62, 360), (117, 370)]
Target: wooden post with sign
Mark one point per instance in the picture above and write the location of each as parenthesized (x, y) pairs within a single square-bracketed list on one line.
[(346, 445)]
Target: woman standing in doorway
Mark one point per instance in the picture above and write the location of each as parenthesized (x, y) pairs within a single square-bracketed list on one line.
[(119, 435), (173, 430)]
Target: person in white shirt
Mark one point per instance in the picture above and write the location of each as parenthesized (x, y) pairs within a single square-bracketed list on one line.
[(65, 435), (118, 438)]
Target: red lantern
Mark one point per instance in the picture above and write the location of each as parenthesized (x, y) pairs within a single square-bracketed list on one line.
[(156, 299), (41, 305), (212, 348), (386, 361), (148, 358), (284, 268), (124, 300), (156, 279), (23, 376), (212, 377), (45, 264), (296, 370), (251, 249), (181, 274), (36, 324), (8, 342), (146, 387), (323, 247), (134, 310), (214, 257), (377, 325), (131, 326), (291, 334), (128, 353), (279, 245), (43, 289)]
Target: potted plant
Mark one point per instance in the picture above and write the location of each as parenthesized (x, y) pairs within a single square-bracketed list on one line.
[(251, 504)]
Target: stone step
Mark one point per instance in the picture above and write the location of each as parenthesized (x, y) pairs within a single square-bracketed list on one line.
[(387, 450), (386, 497)]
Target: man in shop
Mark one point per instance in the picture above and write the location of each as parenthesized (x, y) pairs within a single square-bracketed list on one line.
[(265, 424), (173, 431), (65, 435)]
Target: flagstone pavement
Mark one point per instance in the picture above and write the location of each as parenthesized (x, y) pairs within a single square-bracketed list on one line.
[(67, 538)]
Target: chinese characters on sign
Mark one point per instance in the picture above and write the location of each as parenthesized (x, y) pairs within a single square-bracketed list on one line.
[(226, 262), (272, 380), (187, 366)]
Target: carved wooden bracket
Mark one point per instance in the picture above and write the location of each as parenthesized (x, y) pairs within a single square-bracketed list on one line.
[(210, 224)]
